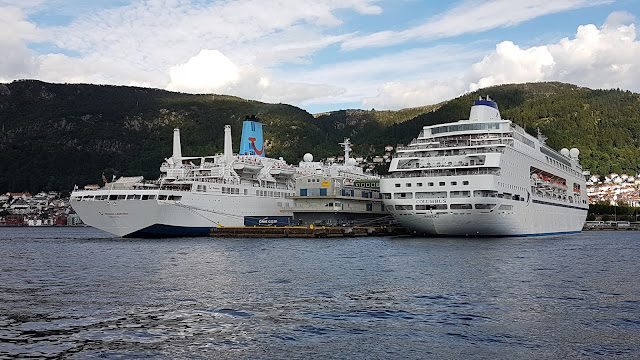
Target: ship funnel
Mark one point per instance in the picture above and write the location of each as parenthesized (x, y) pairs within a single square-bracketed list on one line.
[(177, 149), (251, 141), (484, 110), (228, 150)]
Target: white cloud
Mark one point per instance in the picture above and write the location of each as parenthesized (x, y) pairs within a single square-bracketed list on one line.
[(156, 42), (605, 57), (363, 78), (266, 53), (511, 64), (16, 60), (599, 58), (471, 16), (209, 71), (212, 72), (394, 95)]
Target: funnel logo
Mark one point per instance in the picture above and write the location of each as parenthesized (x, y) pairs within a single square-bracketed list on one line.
[(251, 142)]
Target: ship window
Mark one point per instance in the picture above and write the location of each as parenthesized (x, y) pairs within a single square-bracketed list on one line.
[(404, 207), (460, 206), (419, 184), (397, 185), (121, 197), (454, 183), (386, 195), (175, 198), (465, 183), (505, 207), (460, 194), (403, 195), (432, 207), (485, 193), (162, 197), (145, 197), (408, 184), (484, 206), (430, 184), (137, 197), (431, 195), (441, 183)]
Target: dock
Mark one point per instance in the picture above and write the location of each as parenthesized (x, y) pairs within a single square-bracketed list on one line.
[(304, 232), (609, 228)]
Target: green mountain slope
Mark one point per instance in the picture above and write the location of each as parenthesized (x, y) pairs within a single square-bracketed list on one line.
[(53, 136)]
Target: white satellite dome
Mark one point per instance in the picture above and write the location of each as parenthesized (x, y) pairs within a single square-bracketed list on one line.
[(351, 162), (307, 157), (574, 153), (565, 152)]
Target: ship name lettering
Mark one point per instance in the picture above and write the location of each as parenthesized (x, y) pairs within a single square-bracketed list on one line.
[(431, 201)]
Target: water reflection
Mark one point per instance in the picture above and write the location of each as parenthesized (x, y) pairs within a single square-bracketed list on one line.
[(77, 294)]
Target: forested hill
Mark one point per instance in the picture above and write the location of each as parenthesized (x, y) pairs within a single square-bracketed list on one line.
[(53, 136)]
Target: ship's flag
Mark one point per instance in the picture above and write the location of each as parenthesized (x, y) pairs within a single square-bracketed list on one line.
[(104, 179)]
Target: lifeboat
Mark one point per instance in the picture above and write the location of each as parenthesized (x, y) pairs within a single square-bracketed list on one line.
[(247, 165), (282, 170)]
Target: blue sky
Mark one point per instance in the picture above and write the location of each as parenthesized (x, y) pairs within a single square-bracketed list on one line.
[(322, 55)]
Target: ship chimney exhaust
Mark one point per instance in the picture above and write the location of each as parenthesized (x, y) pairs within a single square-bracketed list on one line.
[(228, 150), (177, 149)]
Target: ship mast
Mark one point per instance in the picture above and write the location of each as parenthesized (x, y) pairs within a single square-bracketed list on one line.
[(346, 145)]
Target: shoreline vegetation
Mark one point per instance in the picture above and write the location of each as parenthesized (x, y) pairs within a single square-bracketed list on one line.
[(84, 130)]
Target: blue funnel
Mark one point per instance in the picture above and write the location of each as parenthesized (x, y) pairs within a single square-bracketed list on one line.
[(251, 142)]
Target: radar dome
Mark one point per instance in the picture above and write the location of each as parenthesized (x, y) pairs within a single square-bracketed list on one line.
[(351, 162), (574, 153), (307, 157), (565, 152)]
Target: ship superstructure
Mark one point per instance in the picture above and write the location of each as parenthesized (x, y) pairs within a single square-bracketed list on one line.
[(485, 176), (337, 194), (195, 194)]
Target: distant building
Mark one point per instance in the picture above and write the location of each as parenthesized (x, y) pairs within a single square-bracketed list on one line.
[(14, 220), (73, 220)]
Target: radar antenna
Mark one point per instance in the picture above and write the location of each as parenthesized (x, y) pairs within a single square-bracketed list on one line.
[(346, 145)]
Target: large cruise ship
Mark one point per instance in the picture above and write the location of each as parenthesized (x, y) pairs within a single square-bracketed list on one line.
[(485, 176), (195, 194)]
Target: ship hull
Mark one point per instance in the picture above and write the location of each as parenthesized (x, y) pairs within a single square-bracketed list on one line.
[(193, 215), (538, 220), (483, 216)]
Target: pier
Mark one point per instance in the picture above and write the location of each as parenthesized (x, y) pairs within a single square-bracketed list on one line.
[(304, 232), (609, 227)]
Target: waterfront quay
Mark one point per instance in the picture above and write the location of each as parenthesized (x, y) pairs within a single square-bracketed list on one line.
[(304, 232), (610, 225)]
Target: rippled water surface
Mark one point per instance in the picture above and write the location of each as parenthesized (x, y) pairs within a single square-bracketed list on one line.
[(77, 293)]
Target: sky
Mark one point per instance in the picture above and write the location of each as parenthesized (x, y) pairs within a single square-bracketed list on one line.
[(322, 55)]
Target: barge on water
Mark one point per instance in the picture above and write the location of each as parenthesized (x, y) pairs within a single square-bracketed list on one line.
[(304, 232)]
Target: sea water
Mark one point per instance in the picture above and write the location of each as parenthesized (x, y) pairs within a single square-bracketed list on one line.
[(79, 293)]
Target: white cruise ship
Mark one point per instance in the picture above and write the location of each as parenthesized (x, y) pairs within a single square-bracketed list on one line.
[(195, 194), (485, 176)]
